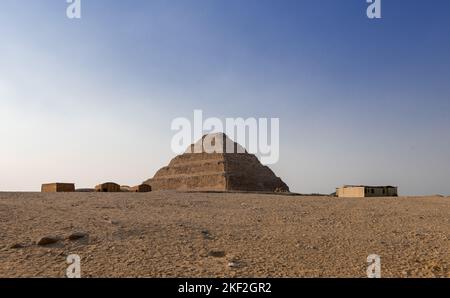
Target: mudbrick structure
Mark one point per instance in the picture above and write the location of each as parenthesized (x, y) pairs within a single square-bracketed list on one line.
[(108, 187), (58, 187), (141, 188), (198, 170)]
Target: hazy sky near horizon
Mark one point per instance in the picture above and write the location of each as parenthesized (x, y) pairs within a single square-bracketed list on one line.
[(360, 101)]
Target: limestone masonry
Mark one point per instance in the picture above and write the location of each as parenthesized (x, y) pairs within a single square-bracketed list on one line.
[(217, 171)]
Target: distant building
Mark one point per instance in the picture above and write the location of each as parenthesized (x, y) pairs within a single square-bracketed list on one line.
[(108, 187), (125, 188), (364, 191), (141, 188), (58, 187)]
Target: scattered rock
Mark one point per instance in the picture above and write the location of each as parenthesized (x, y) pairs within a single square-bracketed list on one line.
[(216, 253), (48, 240), (17, 246), (77, 235), (206, 235), (281, 190), (233, 265)]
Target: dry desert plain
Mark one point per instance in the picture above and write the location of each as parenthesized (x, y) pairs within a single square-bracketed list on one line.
[(174, 234)]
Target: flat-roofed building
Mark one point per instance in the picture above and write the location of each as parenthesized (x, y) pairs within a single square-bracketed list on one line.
[(365, 191), (58, 187)]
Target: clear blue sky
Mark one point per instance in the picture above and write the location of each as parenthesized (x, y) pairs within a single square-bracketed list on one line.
[(359, 100)]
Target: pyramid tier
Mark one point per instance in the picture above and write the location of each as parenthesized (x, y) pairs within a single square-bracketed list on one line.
[(201, 182), (216, 172)]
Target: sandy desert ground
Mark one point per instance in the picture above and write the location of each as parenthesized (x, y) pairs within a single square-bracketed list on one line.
[(170, 234)]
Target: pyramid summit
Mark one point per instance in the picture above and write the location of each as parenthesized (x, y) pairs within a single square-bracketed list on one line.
[(215, 143), (207, 166)]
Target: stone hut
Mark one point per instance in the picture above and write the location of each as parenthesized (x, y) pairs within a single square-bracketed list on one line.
[(58, 187), (108, 187), (141, 188)]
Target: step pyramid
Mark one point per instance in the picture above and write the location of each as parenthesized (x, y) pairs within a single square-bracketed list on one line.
[(206, 166)]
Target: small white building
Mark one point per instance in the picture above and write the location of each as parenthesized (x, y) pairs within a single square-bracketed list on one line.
[(364, 191)]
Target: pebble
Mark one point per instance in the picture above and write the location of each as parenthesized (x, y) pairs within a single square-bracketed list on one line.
[(48, 240), (17, 246), (77, 235), (217, 253), (206, 235)]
